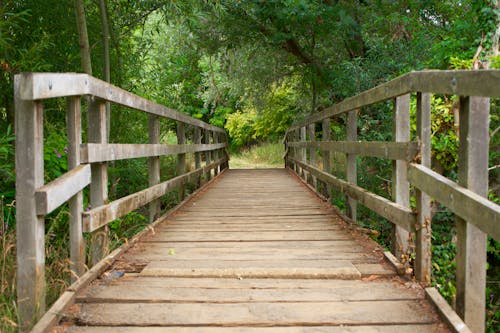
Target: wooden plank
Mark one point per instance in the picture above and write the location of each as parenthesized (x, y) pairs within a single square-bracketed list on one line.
[(154, 208), (351, 163), (261, 314), (36, 86), (102, 215), (92, 153), (208, 154), (54, 194), (463, 202), (30, 228), (453, 320), (55, 313), (181, 159), (77, 242), (128, 294), (471, 259), (405, 151), (454, 82), (326, 137), (400, 184), (239, 329), (423, 266), (395, 213), (272, 244)]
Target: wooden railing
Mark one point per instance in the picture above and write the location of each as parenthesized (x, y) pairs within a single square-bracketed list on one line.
[(477, 217), (87, 166)]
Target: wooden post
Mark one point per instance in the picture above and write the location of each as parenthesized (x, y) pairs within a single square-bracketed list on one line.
[(206, 140), (326, 153), (181, 158), (471, 242), (400, 185), (97, 133), (423, 235), (154, 166), (296, 138), (77, 243), (197, 156), (30, 228), (311, 128), (303, 151), (216, 152), (351, 161)]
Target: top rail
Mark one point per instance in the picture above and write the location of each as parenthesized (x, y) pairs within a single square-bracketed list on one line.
[(38, 86), (454, 82)]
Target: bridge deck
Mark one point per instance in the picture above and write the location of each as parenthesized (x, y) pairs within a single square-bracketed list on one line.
[(256, 251)]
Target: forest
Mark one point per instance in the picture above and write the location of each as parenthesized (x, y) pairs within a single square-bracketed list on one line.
[(252, 67)]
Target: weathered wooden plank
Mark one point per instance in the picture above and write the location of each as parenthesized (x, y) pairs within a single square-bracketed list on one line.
[(473, 154), (351, 163), (326, 137), (154, 166), (261, 314), (446, 311), (102, 215), (272, 244), (400, 185), (126, 293), (37, 86), (55, 313), (77, 242), (291, 329), (30, 228), (395, 213), (423, 268), (463, 202), (457, 82), (181, 159), (54, 194), (92, 153)]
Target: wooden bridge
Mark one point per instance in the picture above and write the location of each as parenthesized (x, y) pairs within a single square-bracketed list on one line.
[(254, 250)]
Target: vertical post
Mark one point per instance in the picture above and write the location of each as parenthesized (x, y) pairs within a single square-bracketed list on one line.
[(296, 138), (197, 155), (97, 133), (351, 160), (326, 153), (216, 153), (303, 152), (77, 243), (206, 139), (471, 242), (181, 158), (311, 128), (30, 228), (154, 165), (400, 185), (423, 234)]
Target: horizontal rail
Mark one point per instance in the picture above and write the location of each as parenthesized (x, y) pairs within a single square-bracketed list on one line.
[(397, 214), (463, 202), (463, 83), (391, 150), (101, 152), (102, 215), (60, 190), (37, 86)]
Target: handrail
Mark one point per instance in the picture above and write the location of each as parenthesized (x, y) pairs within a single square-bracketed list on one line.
[(87, 166), (477, 217)]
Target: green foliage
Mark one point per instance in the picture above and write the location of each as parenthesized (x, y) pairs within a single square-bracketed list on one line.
[(267, 155), (240, 126)]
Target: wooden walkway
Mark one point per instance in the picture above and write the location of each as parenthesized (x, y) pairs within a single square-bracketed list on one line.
[(255, 252)]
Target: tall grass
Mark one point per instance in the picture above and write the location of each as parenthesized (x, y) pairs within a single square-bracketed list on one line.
[(267, 155)]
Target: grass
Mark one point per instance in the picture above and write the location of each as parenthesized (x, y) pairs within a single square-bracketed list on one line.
[(263, 156)]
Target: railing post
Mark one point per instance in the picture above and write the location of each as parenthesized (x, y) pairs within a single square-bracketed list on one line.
[(181, 158), (216, 152), (303, 152), (296, 138), (400, 185), (471, 242), (311, 128), (154, 166), (197, 156), (77, 243), (423, 233), (30, 228), (206, 140), (351, 160), (97, 133), (326, 153)]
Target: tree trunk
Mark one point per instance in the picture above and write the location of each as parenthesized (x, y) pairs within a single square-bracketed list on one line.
[(103, 8), (81, 24)]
